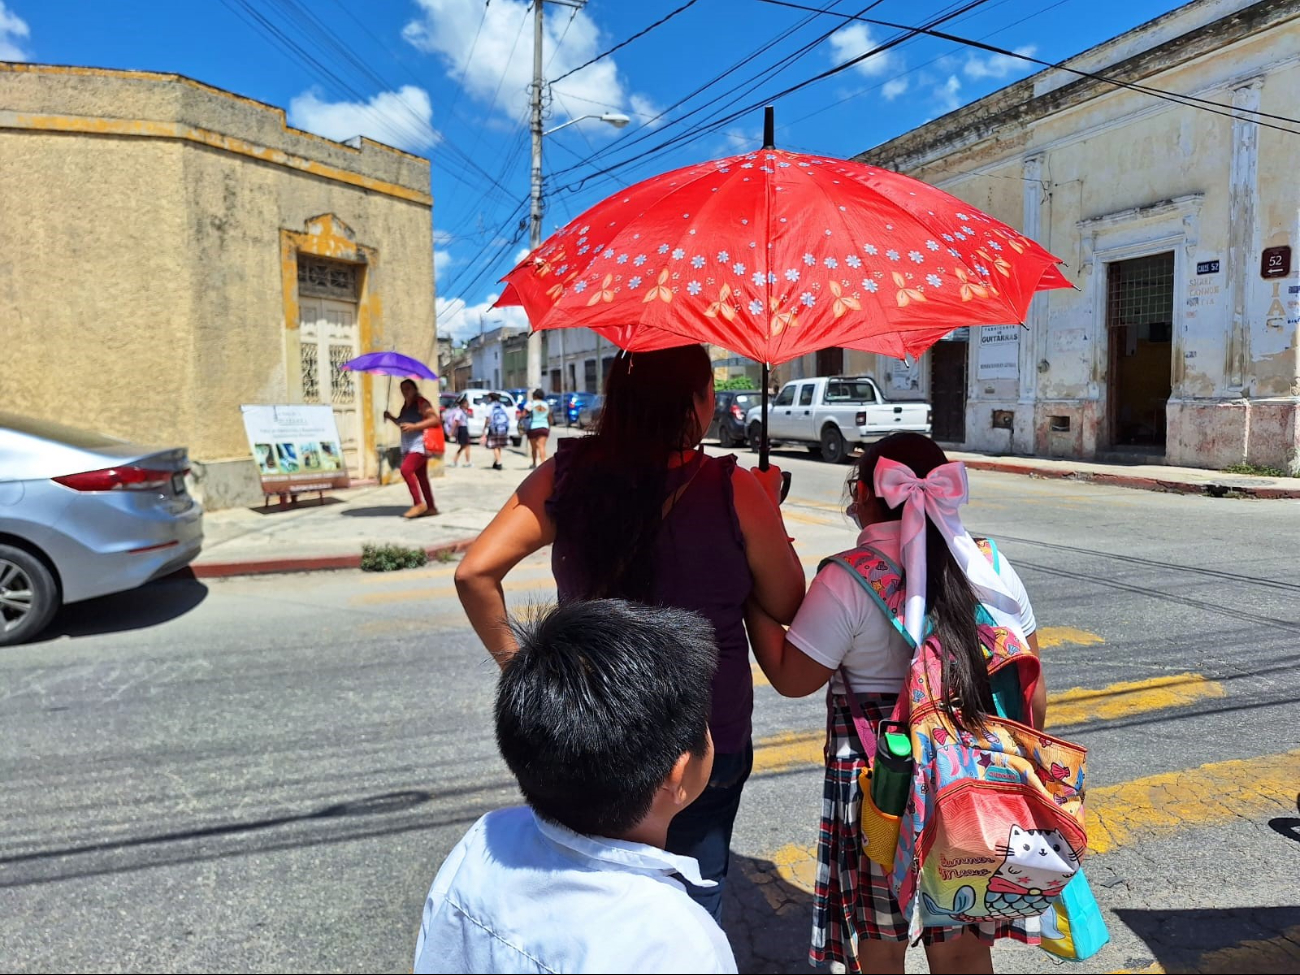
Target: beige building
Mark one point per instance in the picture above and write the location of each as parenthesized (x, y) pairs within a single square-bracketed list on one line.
[(170, 251), (1177, 227)]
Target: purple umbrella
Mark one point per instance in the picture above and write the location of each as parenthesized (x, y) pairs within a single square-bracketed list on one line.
[(389, 364)]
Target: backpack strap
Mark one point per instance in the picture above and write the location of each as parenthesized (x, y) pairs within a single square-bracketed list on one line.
[(882, 579), (862, 729)]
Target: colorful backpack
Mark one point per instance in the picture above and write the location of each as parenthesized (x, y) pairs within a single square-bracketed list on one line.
[(499, 421), (993, 829)]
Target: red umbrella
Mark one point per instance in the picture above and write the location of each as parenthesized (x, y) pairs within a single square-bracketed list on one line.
[(775, 254)]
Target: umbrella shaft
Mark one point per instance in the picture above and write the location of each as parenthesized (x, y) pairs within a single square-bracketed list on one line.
[(762, 443)]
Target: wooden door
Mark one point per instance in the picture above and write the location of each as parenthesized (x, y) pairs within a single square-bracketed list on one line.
[(328, 336)]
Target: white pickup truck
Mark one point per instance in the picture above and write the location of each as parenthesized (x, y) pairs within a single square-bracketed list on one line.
[(834, 415)]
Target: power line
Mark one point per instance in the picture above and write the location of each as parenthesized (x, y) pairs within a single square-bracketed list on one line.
[(704, 129), (469, 58), (629, 143), (925, 64), (622, 44), (1191, 101)]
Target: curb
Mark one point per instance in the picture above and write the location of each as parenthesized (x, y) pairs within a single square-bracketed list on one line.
[(320, 563), (1211, 489)]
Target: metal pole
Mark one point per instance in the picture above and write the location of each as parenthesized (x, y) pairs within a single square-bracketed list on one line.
[(769, 142), (535, 228)]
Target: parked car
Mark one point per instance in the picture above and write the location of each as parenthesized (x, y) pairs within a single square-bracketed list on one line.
[(84, 515), (589, 415), (834, 415), (555, 401), (733, 405), (478, 407), (575, 405), (521, 398), (447, 400)]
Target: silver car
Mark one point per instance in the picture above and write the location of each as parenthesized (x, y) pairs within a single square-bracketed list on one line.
[(84, 515)]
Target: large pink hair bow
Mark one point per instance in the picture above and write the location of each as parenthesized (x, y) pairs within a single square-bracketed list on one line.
[(936, 496)]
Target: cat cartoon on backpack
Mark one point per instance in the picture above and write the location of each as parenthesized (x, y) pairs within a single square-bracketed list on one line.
[(1036, 866)]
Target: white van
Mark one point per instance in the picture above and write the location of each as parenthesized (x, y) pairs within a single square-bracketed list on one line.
[(478, 406)]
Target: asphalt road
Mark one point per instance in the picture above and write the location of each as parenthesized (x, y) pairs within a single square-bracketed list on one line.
[(264, 774)]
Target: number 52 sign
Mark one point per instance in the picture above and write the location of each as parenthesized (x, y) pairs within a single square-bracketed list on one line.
[(1275, 262)]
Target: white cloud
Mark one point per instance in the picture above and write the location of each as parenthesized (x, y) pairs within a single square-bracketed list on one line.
[(401, 118), (743, 140), (501, 66), (948, 94), (998, 65), (893, 88), (855, 40), (646, 112), (462, 321), (12, 29), (442, 260)]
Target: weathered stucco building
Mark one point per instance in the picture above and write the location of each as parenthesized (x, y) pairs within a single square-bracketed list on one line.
[(170, 251), (1176, 225)]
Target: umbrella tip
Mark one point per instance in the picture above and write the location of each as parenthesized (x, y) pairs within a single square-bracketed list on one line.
[(769, 127)]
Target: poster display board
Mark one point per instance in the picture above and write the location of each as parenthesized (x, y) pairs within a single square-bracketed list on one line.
[(296, 447), (999, 352)]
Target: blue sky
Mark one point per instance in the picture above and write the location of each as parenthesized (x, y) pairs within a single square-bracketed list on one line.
[(448, 78)]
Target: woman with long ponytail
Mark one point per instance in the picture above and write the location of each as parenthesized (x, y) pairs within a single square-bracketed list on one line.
[(903, 494), (638, 511)]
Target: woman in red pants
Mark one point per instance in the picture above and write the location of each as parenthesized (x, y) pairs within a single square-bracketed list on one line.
[(417, 416)]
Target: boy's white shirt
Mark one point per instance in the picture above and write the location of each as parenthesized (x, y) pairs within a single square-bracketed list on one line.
[(520, 894)]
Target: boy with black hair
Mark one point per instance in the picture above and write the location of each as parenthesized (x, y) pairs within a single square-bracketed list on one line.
[(602, 716)]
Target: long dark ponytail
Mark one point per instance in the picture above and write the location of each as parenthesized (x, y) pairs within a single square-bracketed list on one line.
[(950, 601), (610, 501)]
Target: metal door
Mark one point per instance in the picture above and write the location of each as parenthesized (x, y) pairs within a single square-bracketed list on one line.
[(328, 336), (948, 390)]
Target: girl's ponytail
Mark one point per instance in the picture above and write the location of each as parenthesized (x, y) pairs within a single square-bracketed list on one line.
[(950, 601)]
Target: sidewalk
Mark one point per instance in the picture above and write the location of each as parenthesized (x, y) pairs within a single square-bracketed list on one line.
[(329, 535), (1146, 477)]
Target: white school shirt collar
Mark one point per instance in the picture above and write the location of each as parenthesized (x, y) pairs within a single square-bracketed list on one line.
[(632, 856), (884, 537)]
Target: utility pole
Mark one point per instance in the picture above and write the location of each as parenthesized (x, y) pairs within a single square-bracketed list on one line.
[(535, 228)]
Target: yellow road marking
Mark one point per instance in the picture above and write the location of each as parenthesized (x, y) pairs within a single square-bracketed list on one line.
[(799, 517), (1058, 636), (788, 750), (794, 864), (1148, 808), (1129, 697), (1159, 806), (760, 678)]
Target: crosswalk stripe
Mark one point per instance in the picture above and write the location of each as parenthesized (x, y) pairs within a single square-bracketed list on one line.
[(1159, 806), (1058, 636), (790, 749), (1119, 815), (1128, 698)]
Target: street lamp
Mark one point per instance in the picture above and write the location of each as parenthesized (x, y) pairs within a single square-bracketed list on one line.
[(616, 119)]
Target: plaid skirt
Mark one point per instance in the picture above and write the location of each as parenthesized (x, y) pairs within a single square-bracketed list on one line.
[(852, 899), (494, 440)]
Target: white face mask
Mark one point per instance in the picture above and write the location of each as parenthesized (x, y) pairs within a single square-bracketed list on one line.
[(852, 512)]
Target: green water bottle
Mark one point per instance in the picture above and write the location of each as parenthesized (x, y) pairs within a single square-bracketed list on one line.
[(891, 775)]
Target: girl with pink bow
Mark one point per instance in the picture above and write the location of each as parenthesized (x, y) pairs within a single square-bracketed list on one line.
[(905, 497)]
